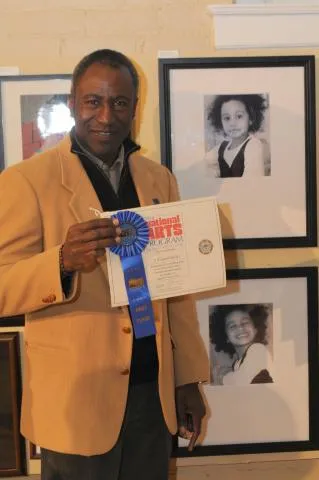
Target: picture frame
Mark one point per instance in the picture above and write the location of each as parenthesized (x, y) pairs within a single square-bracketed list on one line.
[(12, 444), (262, 173), (34, 114), (274, 414)]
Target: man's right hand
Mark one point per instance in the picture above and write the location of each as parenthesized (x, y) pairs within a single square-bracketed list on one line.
[(86, 242)]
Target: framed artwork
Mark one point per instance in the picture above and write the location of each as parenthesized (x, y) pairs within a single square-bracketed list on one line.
[(261, 335), (12, 446), (243, 129), (34, 114)]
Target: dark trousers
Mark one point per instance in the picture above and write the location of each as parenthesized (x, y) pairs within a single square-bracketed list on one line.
[(141, 453)]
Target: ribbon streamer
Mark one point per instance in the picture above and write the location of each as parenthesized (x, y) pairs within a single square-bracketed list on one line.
[(134, 239)]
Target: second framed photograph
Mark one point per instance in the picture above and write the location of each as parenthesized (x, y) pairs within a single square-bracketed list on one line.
[(261, 335), (34, 114), (243, 129)]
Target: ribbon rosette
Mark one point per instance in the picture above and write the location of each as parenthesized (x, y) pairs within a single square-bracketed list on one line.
[(134, 239)]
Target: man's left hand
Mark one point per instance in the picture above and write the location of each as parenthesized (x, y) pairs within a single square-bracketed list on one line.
[(190, 409)]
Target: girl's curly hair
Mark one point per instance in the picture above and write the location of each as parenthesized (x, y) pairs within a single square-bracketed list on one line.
[(255, 105), (217, 324)]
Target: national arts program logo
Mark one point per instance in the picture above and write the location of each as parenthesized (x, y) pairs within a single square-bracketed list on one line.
[(165, 230)]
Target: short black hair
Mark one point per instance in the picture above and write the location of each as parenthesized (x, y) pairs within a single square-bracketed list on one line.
[(217, 324), (254, 104), (108, 57)]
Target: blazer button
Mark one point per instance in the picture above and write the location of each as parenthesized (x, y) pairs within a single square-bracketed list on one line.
[(126, 329), (125, 371), (49, 299)]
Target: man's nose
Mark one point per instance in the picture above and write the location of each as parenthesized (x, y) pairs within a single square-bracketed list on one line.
[(105, 113)]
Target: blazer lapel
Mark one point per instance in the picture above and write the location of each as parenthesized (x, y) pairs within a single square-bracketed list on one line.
[(84, 203), (83, 199), (143, 180)]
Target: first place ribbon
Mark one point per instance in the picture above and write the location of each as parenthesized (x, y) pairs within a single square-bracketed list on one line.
[(134, 239)]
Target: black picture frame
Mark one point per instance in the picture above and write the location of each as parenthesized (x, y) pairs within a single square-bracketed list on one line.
[(283, 288), (12, 444), (278, 209), (23, 96)]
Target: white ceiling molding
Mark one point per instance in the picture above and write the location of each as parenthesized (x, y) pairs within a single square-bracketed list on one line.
[(265, 26)]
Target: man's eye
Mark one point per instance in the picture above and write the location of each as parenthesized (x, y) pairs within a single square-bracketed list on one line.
[(92, 101), (120, 103)]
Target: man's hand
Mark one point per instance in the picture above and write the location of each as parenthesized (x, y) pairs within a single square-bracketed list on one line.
[(190, 409), (86, 242)]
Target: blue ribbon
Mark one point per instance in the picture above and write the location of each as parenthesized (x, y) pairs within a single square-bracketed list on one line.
[(134, 239)]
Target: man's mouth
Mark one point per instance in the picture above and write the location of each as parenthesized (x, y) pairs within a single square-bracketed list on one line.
[(104, 133)]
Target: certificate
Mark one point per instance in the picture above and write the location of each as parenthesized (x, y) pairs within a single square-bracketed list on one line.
[(184, 253)]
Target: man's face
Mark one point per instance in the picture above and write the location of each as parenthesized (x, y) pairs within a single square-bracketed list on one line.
[(103, 107)]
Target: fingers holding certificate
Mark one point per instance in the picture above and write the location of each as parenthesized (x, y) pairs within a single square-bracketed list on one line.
[(184, 253)]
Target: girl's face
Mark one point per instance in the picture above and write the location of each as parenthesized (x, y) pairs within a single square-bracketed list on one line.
[(235, 119), (240, 329)]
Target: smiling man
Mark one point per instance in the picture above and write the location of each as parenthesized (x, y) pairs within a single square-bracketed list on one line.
[(99, 402), (103, 102)]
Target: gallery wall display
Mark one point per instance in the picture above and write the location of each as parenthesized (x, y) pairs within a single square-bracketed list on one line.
[(243, 129), (34, 114), (12, 447), (261, 336)]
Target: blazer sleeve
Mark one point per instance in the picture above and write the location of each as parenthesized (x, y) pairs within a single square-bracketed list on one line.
[(29, 274), (191, 363)]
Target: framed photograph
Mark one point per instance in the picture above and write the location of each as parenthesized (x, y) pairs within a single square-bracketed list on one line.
[(12, 445), (34, 114), (261, 335), (243, 129)]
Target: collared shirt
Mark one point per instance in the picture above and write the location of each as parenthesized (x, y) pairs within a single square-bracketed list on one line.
[(111, 172)]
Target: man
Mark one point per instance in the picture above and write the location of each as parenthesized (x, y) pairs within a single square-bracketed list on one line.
[(99, 402)]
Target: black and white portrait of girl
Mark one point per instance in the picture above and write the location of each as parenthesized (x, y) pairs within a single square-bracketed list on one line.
[(240, 344), (237, 131)]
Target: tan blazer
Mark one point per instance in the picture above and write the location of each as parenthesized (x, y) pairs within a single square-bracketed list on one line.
[(78, 350)]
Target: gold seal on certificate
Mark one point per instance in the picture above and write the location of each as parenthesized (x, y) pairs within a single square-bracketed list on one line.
[(205, 246), (184, 253)]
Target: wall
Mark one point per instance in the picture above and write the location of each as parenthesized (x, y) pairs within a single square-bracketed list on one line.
[(50, 36)]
